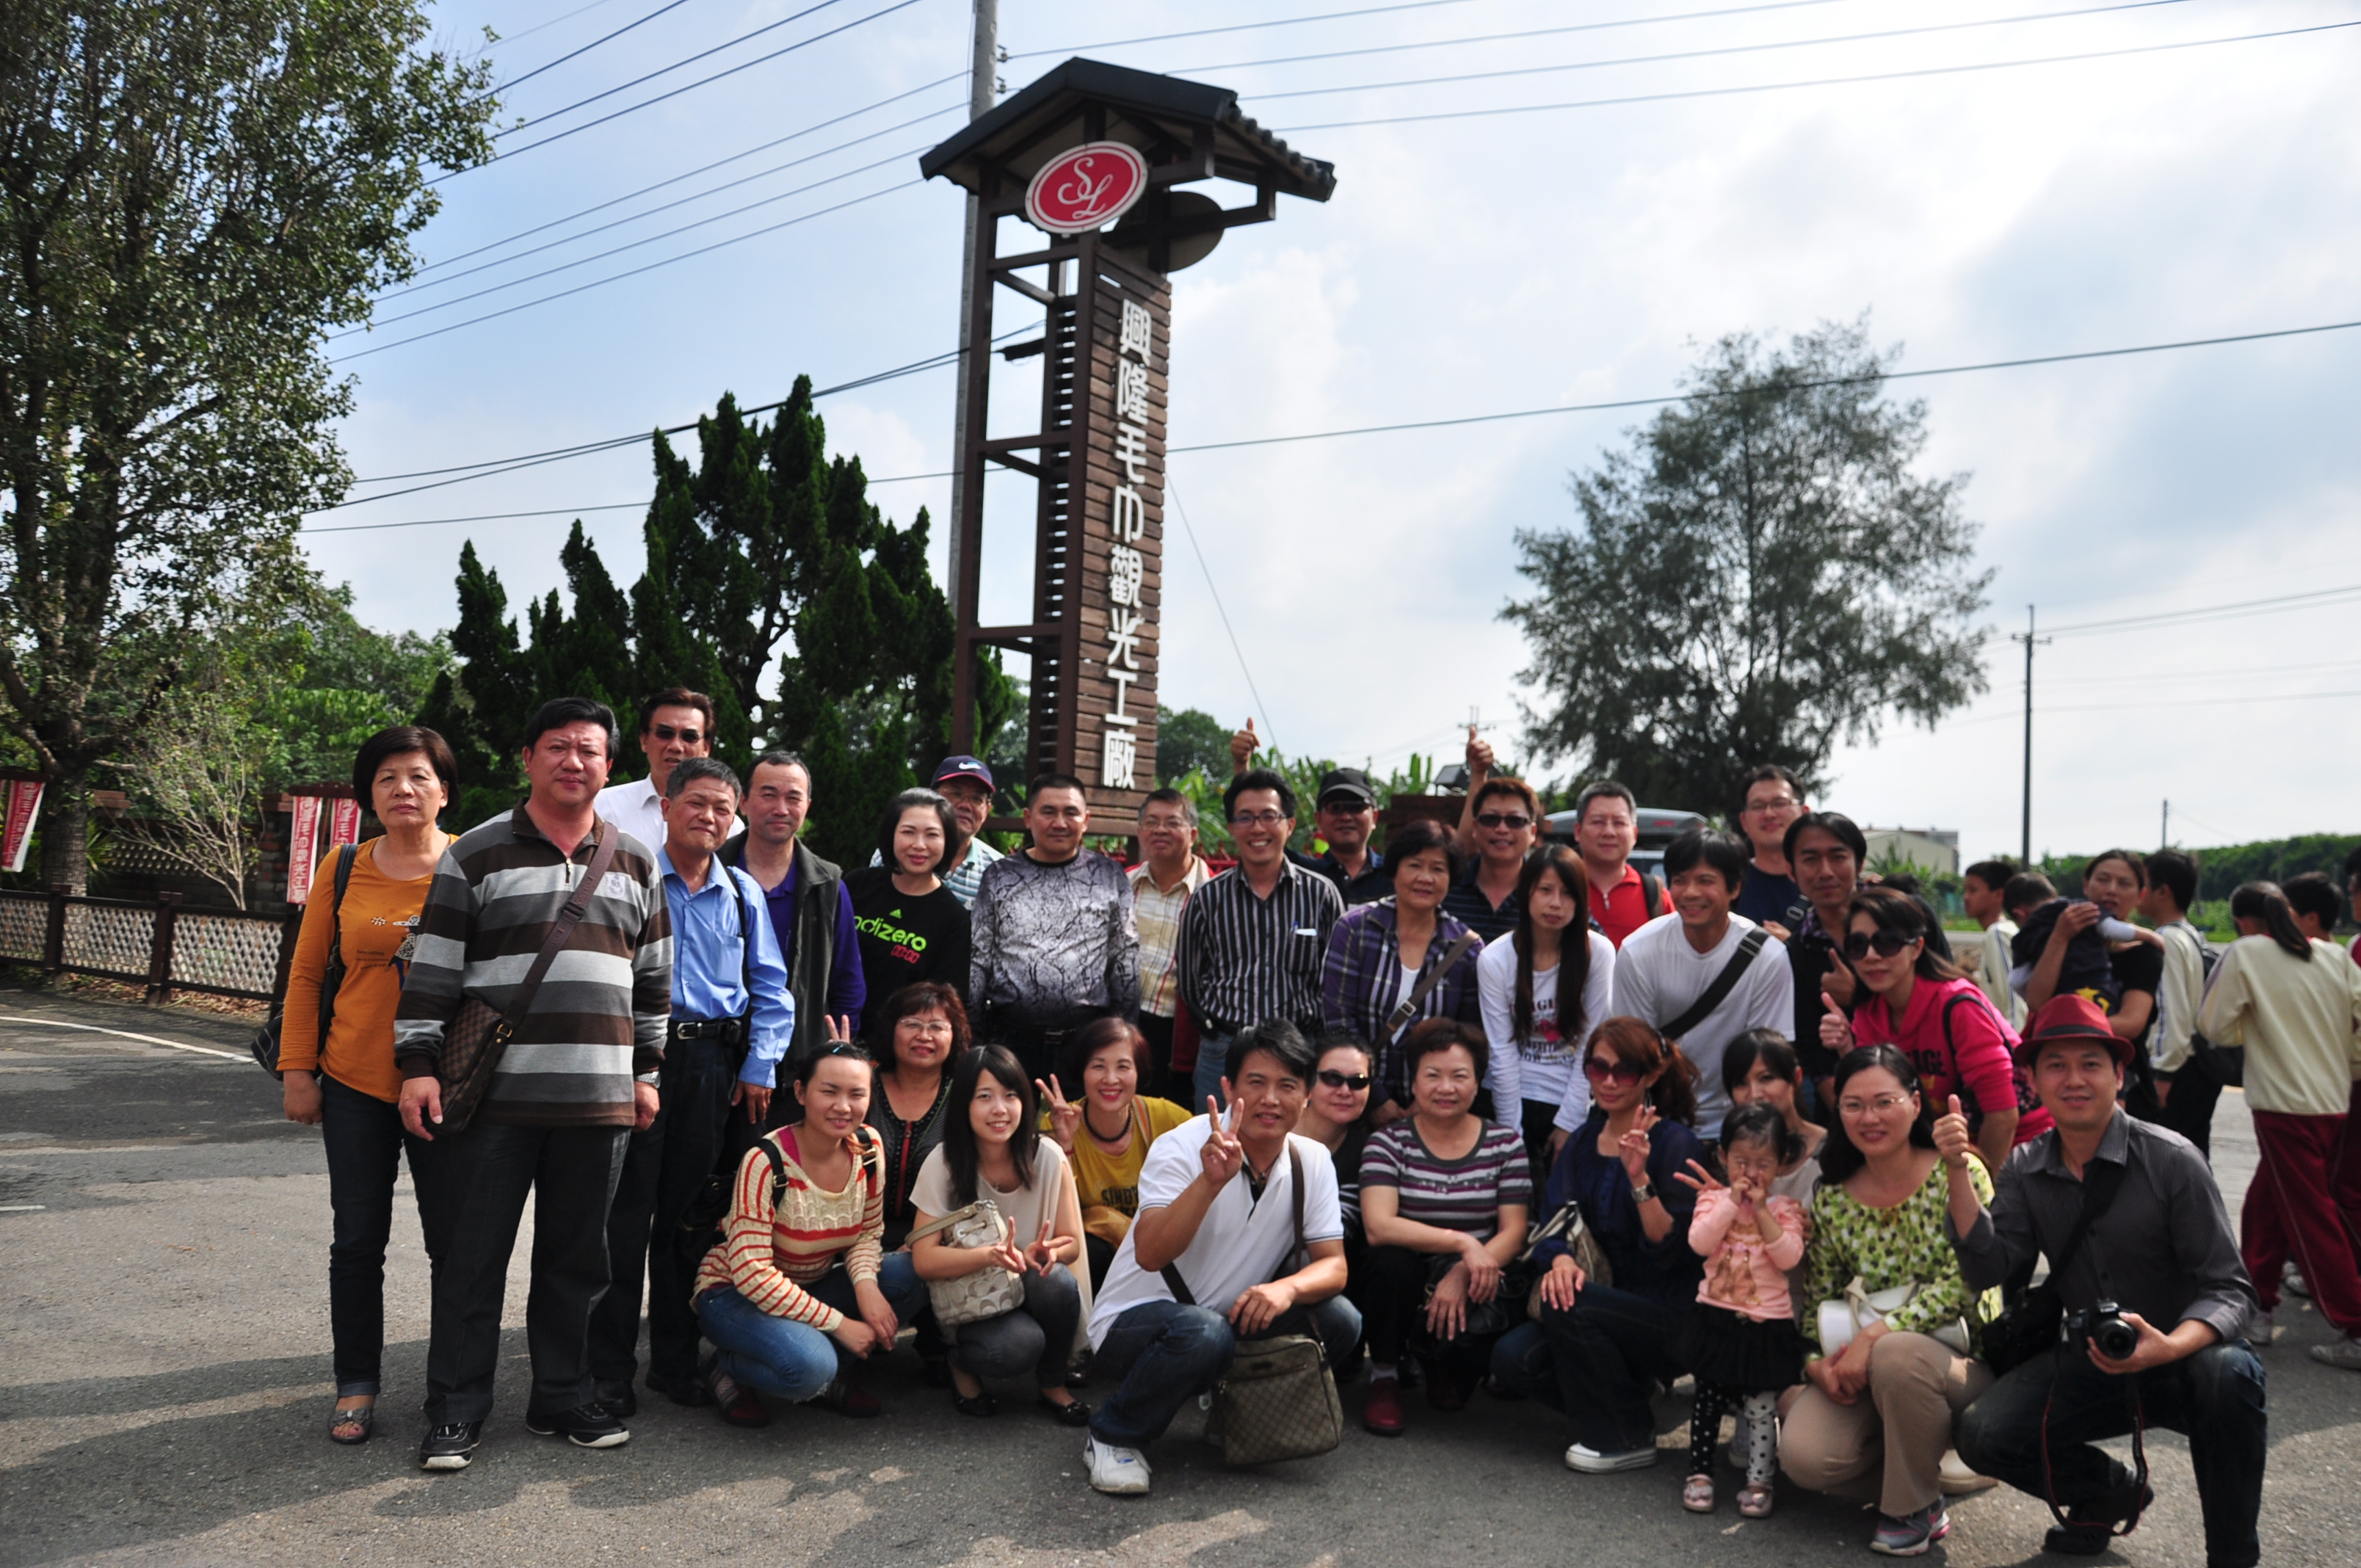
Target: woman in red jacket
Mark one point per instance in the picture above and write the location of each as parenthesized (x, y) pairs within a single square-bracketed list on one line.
[(1930, 1011)]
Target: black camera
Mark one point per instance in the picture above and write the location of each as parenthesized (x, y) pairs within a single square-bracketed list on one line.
[(2104, 1326)]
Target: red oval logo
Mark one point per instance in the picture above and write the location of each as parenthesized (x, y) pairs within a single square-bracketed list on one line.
[(1085, 188)]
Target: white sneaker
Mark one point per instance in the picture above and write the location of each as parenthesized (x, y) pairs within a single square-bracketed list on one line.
[(1118, 1472), (2343, 1353), (1595, 1461), (2260, 1332)]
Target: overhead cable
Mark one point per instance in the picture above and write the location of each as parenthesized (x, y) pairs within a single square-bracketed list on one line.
[(586, 49), (667, 70)]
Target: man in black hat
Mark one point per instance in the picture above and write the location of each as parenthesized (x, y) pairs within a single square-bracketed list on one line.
[(1346, 815), (2156, 1300)]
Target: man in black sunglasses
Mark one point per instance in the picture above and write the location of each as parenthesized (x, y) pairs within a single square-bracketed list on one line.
[(1502, 821), (675, 724)]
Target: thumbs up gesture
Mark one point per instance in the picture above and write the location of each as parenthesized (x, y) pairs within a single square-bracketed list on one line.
[(1836, 1029), (1242, 746), (1951, 1139)]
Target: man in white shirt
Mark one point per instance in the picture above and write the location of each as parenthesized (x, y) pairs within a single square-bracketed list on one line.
[(1217, 1208), (675, 724), (1672, 964), (2185, 1090), (1980, 887)]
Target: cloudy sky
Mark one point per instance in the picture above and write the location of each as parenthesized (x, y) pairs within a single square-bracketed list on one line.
[(1484, 263)]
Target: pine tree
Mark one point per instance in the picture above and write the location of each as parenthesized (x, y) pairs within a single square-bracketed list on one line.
[(481, 707)]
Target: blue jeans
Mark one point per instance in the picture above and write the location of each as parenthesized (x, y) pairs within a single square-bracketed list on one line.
[(1594, 1364), (365, 1145), (2216, 1398), (795, 1361), (1167, 1354), (1034, 1338), (1213, 1061)]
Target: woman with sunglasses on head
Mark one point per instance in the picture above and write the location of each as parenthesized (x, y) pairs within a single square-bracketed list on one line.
[(1380, 954), (1594, 1347), (993, 1150), (1878, 1413), (1930, 1010), (1105, 1129), (1553, 953), (923, 1030)]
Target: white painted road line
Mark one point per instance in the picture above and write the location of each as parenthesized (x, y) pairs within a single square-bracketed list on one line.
[(6, 1019), (21, 1208)]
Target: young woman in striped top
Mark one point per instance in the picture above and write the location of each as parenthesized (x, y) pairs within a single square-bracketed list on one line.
[(1445, 1197), (800, 1286)]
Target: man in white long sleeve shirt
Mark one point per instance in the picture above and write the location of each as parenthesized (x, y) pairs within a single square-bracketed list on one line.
[(2185, 1087)]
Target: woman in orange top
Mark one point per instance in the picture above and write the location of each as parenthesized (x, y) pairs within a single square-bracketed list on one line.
[(346, 1085)]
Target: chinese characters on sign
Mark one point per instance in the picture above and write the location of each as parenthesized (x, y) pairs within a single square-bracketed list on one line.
[(1126, 572)]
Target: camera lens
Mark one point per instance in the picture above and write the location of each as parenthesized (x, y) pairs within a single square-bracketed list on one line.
[(2116, 1339)]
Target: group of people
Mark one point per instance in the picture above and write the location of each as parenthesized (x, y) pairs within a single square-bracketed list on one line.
[(1484, 1113)]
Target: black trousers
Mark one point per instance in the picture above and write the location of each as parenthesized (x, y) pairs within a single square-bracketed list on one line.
[(1393, 1299), (664, 1169), (489, 1169), (366, 1146), (2188, 1108)]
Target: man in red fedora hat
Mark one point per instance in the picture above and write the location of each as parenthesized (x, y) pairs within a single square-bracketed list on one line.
[(2155, 1301)]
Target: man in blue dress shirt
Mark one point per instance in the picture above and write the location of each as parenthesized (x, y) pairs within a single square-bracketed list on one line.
[(732, 1017)]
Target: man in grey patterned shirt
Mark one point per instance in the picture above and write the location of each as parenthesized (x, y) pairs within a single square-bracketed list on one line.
[(1053, 943)]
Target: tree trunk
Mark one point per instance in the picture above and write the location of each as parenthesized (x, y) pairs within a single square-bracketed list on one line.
[(65, 837)]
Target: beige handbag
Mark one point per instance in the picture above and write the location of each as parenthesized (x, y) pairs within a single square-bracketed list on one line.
[(986, 1293), (1567, 1225), (1279, 1399), (1842, 1319)]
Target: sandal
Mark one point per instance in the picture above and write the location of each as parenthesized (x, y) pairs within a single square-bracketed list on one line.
[(1755, 1500), (362, 1419), (1696, 1494)]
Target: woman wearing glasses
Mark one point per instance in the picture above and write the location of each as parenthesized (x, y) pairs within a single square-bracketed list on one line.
[(1336, 1117), (1595, 1346), (1878, 1412), (1386, 967), (925, 1032), (1105, 1129), (1930, 1010)]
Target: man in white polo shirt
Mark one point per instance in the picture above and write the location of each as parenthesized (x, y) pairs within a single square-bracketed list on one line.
[(1217, 1209), (675, 724), (1699, 975)]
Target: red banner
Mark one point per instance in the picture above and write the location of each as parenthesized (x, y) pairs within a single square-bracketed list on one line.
[(24, 809), (302, 847), (345, 822)]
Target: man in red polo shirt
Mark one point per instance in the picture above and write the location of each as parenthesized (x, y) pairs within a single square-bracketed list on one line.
[(1606, 831)]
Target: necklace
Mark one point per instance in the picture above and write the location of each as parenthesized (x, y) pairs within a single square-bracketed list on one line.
[(1120, 1135)]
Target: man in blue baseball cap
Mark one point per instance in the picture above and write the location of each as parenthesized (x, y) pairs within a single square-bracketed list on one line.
[(967, 783)]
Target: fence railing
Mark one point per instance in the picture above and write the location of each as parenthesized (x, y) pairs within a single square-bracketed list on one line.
[(165, 946)]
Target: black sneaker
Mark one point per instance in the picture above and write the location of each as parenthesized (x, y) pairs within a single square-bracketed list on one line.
[(449, 1446), (618, 1399), (687, 1389), (2089, 1531), (584, 1426)]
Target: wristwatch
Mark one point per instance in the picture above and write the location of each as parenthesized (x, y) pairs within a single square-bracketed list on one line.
[(1642, 1190)]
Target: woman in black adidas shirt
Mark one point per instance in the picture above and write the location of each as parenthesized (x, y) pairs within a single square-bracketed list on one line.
[(911, 927)]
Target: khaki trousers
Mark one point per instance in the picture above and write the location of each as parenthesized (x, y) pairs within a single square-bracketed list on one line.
[(1889, 1444)]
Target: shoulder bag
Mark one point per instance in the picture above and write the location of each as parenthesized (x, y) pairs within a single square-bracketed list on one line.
[(265, 1044), (2035, 1323), (2023, 1085), (1400, 1018), (1279, 1399), (986, 1293), (476, 1036), (1567, 1225), (1723, 985), (1858, 1306)]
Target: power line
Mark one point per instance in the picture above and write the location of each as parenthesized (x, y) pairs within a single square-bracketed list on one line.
[(1255, 26), (705, 168), (662, 98), (675, 65), (544, 26), (586, 49), (1704, 53), (2161, 702), (481, 517), (2149, 677), (1818, 81), (618, 277), (2233, 612), (1528, 33), (1271, 733)]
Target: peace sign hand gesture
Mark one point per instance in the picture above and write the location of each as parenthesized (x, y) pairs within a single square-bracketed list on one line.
[(1634, 1147), (1224, 1155), (1698, 1178), (1043, 1254), (1064, 1114)]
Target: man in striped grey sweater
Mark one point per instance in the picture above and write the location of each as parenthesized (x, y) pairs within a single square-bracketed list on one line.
[(577, 1078)]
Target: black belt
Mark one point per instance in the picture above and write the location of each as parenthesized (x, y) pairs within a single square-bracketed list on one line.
[(728, 1031)]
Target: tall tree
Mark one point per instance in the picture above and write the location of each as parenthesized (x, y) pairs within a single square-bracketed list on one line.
[(1760, 576), (188, 194), (480, 705)]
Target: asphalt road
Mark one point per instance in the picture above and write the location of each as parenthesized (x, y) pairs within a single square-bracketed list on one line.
[(164, 1385)]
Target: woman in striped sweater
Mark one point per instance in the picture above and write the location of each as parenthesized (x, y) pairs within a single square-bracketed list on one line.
[(799, 1286)]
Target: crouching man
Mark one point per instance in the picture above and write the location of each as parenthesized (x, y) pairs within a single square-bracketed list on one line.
[(1218, 1209), (2155, 1298)]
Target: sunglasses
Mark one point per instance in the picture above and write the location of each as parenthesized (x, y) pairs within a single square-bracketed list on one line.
[(1504, 819), (1886, 943), (1601, 1071), (1356, 1081), (667, 732)]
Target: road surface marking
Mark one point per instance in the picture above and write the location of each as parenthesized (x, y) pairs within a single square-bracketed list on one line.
[(121, 1035)]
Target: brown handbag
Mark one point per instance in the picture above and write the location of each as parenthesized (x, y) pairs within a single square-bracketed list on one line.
[(476, 1036)]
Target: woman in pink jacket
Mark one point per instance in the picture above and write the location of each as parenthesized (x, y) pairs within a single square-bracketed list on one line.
[(1933, 1013)]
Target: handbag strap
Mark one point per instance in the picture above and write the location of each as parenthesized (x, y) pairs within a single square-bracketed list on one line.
[(561, 930), (1429, 980), (1171, 1271), (1723, 985), (956, 1217), (2101, 1182)]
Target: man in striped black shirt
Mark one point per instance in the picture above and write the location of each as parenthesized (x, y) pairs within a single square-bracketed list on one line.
[(1252, 940), (578, 1075)]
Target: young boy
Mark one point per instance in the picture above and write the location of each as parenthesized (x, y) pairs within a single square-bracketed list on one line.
[(1982, 889)]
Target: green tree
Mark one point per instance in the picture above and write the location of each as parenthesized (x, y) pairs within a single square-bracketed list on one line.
[(1188, 740), (1760, 576), (341, 684), (480, 704), (188, 194)]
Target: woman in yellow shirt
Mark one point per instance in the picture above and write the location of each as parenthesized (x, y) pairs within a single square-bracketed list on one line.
[(1106, 1130), (347, 1084)]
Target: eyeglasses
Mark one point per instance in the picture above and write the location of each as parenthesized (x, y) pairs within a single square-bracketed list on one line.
[(1883, 1105), (1599, 1071), (1783, 802), (1163, 825), (1859, 943), (1256, 820), (1504, 819), (667, 732), (1352, 1080), (925, 1025)]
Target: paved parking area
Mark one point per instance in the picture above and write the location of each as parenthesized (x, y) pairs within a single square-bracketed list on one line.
[(164, 1385)]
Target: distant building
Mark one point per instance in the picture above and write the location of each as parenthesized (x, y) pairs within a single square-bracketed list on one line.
[(1936, 849)]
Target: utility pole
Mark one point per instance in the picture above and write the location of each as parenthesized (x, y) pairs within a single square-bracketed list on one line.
[(2025, 847), (2164, 834), (983, 92)]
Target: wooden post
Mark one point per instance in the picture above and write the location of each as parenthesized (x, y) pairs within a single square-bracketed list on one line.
[(288, 930), (159, 947), (54, 945)]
